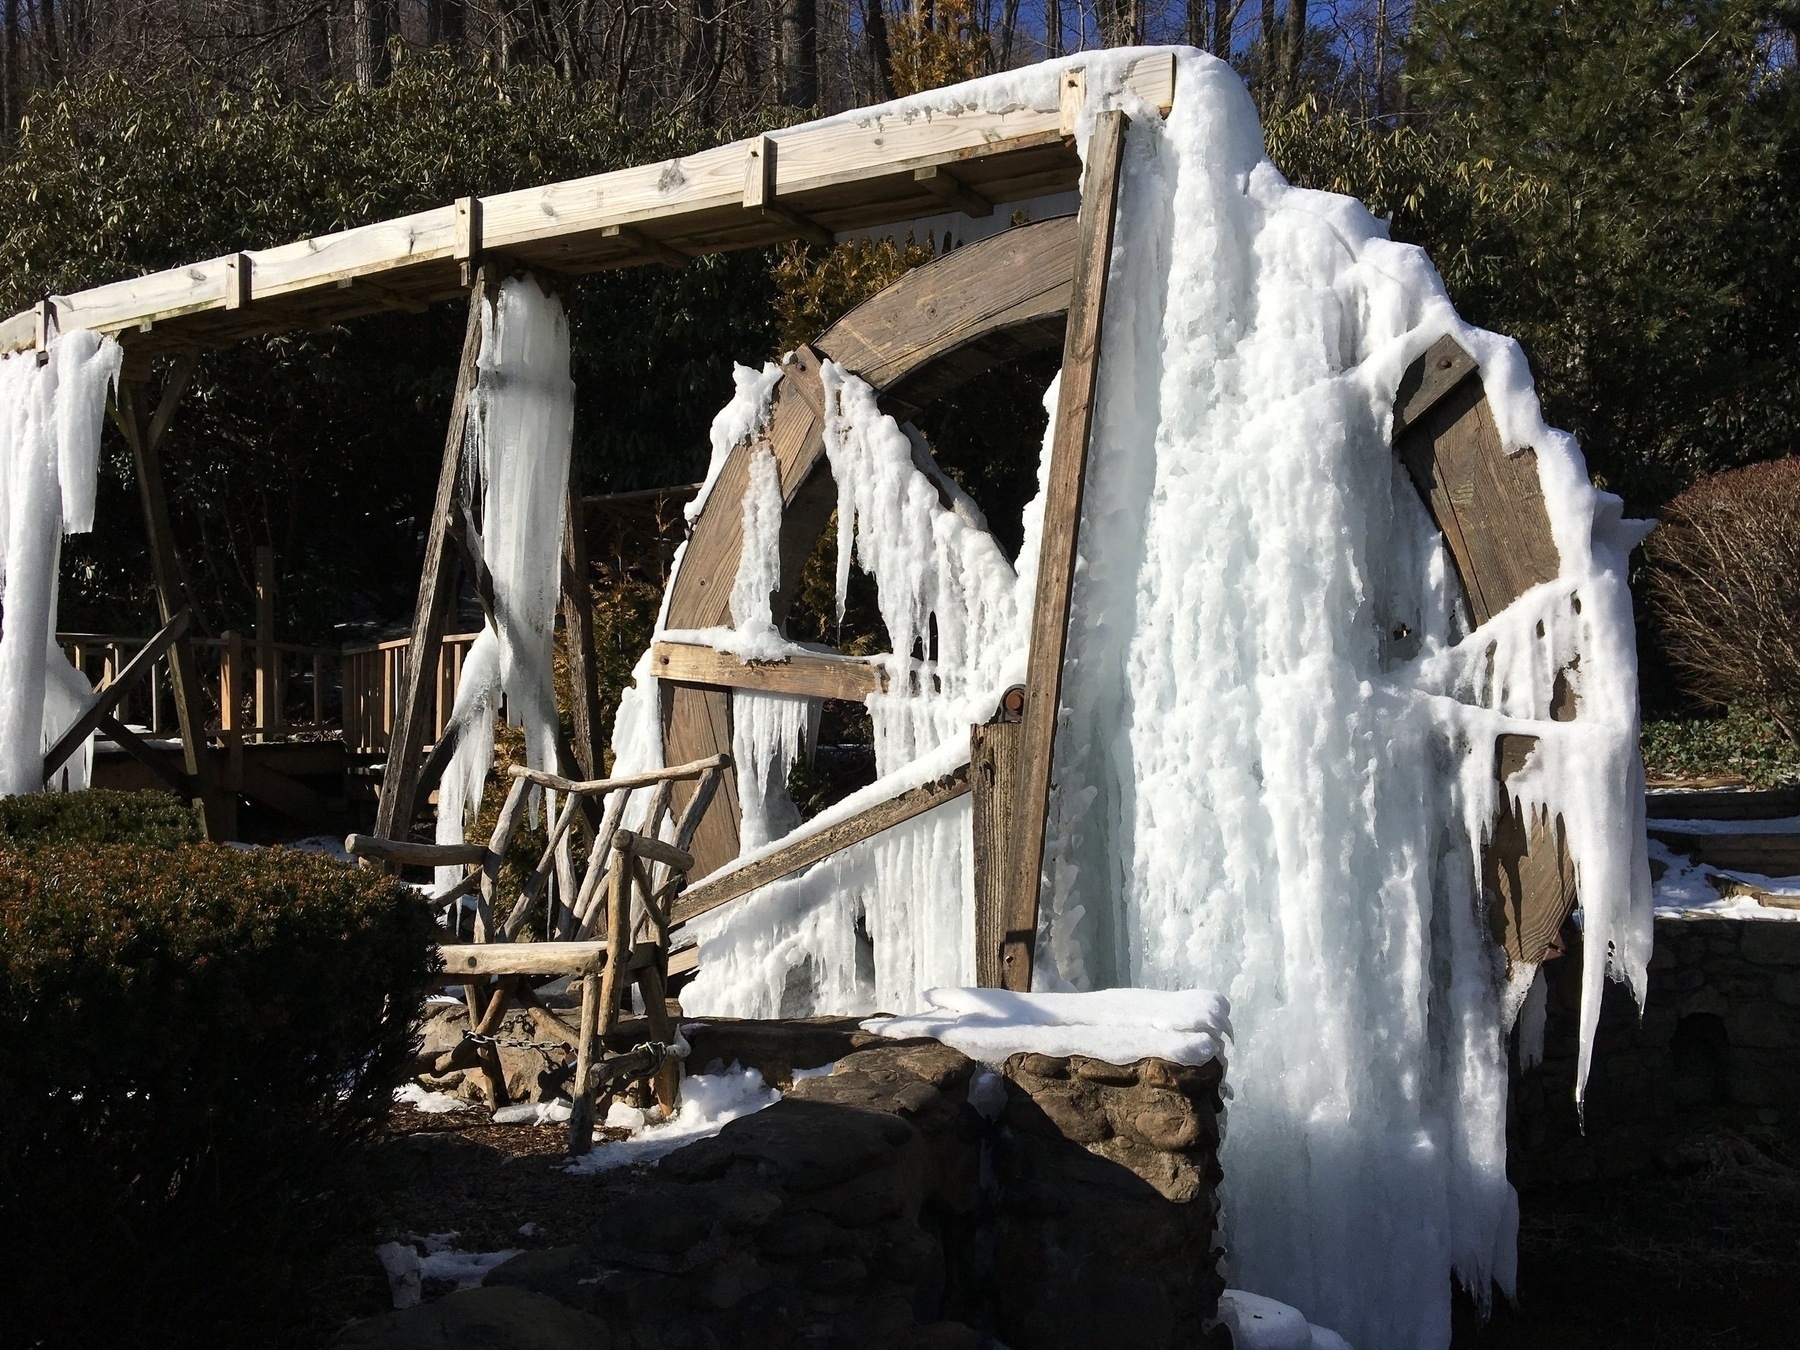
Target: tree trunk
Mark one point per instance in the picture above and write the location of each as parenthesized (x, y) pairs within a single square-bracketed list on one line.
[(875, 33), (445, 22), (1224, 19), (1293, 49), (368, 42), (799, 53), (12, 94), (1053, 35)]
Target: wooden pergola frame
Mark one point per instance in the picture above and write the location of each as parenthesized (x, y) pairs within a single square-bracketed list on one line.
[(1025, 289)]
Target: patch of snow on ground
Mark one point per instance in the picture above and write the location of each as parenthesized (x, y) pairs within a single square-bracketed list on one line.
[(1258, 1323), (1118, 1026), (431, 1103), (1686, 890), (554, 1112), (709, 1102)]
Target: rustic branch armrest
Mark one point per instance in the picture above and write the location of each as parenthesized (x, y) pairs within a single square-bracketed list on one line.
[(645, 846), (416, 855), (597, 786)]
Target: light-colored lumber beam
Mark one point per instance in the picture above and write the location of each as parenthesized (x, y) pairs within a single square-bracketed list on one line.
[(521, 958), (542, 223), (724, 887), (1061, 536), (951, 191), (814, 675), (643, 246)]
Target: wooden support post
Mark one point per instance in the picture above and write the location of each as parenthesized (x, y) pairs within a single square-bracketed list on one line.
[(399, 784), (578, 635), (993, 785), (144, 432), (760, 193), (581, 1110), (231, 717), (268, 703), (1062, 525)]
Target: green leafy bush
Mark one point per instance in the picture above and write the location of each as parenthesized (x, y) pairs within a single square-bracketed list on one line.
[(100, 816), (195, 1041)]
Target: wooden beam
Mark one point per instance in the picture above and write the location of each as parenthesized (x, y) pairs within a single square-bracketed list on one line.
[(994, 782), (399, 784), (852, 169), (723, 887), (521, 958), (218, 808), (143, 752), (643, 246), (268, 660), (761, 193), (1061, 530), (814, 675), (649, 846), (108, 698), (952, 192)]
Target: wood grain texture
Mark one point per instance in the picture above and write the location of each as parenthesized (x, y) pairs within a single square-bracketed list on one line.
[(729, 886), (1490, 507), (993, 784), (812, 675), (1061, 529), (521, 958), (108, 698)]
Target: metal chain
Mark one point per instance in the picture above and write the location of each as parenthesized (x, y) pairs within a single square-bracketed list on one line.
[(507, 1043)]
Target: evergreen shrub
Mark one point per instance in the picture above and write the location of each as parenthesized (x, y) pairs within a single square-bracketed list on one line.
[(195, 1040), (99, 816)]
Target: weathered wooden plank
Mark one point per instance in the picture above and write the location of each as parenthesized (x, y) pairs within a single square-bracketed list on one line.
[(814, 675), (1766, 855), (594, 787), (399, 784), (993, 783), (411, 854), (1061, 530), (1488, 503), (649, 846), (728, 886), (143, 752), (522, 958), (697, 724)]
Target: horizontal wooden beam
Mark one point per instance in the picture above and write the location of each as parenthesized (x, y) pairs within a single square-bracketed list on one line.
[(694, 204), (740, 881), (813, 675), (109, 697), (522, 958)]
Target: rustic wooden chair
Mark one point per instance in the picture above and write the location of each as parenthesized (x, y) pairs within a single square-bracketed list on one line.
[(641, 875)]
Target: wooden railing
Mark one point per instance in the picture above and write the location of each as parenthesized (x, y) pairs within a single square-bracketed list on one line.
[(267, 691), (371, 675)]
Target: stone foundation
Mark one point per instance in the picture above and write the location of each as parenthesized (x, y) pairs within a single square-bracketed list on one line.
[(1717, 1050), (908, 1198)]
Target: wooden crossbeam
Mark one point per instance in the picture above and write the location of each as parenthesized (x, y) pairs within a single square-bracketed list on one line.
[(599, 786), (839, 174), (740, 881), (813, 675), (142, 751), (407, 853), (1061, 529)]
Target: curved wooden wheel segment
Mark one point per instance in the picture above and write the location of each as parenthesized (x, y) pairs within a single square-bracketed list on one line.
[(935, 327), (985, 304)]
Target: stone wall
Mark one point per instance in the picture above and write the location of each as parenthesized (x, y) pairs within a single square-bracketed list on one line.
[(1717, 1050), (907, 1198)]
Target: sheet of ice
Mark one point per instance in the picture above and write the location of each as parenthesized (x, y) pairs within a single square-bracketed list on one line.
[(1117, 1026), (464, 1269), (1274, 770), (515, 488), (745, 416), (1258, 1323), (50, 421), (709, 1102)]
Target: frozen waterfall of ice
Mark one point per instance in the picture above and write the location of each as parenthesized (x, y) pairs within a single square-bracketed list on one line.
[(1274, 766), (521, 423), (50, 420)]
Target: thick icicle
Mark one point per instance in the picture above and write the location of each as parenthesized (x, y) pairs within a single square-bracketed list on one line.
[(516, 475), (50, 420)]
